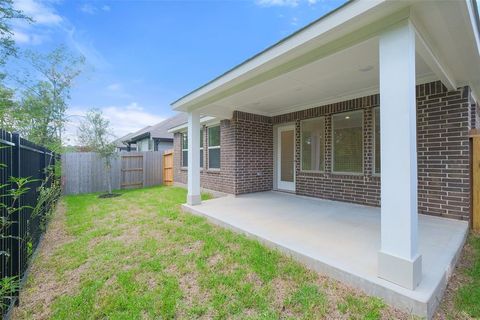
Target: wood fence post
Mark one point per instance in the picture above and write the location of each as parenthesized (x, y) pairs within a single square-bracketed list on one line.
[(144, 159)]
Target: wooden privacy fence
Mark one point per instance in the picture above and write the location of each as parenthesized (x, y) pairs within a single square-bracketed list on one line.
[(168, 167), (84, 172)]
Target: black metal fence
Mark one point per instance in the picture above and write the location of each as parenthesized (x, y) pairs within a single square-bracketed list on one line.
[(21, 158)]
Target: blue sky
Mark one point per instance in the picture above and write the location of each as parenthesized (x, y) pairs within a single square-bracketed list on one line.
[(142, 55)]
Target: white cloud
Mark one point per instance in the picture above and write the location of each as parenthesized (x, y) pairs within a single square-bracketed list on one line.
[(28, 38), (44, 18), (286, 3), (278, 3), (123, 120), (88, 8), (20, 37), (48, 22), (40, 12)]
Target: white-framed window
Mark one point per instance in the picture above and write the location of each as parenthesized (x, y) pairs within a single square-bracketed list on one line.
[(184, 149), (313, 144), (376, 140), (347, 142), (214, 147)]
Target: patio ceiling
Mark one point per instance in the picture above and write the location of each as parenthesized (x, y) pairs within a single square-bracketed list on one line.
[(336, 58), (347, 74)]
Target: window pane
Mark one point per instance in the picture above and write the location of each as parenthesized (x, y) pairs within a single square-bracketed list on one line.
[(201, 158), (184, 141), (214, 158), (377, 140), (287, 156), (313, 144), (201, 138), (184, 158), (348, 142), (214, 136)]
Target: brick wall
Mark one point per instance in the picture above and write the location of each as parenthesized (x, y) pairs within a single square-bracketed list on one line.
[(364, 189), (250, 170), (443, 147), (254, 155), (214, 179), (443, 121)]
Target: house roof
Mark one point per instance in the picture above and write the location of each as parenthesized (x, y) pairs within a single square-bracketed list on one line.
[(119, 143), (159, 130), (345, 39)]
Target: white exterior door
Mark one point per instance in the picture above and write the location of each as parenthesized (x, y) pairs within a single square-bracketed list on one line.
[(286, 158)]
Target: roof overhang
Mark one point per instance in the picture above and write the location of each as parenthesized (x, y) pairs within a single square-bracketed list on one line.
[(163, 139), (336, 58), (145, 135), (204, 121)]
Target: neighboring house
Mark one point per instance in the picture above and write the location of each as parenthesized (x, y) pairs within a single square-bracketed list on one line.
[(156, 137), (122, 146), (376, 91)]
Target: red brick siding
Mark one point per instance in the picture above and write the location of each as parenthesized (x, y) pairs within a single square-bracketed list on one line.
[(443, 151), (219, 180), (364, 189), (443, 121), (254, 152)]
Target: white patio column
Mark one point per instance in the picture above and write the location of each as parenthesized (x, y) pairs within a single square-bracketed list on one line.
[(193, 196), (398, 259)]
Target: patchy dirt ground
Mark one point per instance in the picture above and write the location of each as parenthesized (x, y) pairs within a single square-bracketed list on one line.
[(43, 286)]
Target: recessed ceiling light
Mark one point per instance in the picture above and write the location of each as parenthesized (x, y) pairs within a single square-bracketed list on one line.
[(347, 117), (365, 69)]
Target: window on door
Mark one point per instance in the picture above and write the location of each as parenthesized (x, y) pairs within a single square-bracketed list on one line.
[(287, 156)]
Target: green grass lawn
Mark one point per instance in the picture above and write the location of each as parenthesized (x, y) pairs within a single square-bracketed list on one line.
[(462, 299), (139, 256)]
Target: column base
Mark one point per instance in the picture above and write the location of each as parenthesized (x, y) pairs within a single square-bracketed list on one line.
[(405, 273), (194, 199)]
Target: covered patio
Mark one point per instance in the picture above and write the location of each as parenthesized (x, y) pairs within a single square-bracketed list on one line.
[(364, 55), (342, 240)]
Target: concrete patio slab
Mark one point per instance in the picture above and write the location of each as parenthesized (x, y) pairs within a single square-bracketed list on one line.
[(342, 240)]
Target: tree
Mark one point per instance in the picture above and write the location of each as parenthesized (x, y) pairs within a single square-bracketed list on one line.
[(38, 118), (8, 108), (42, 112), (94, 132), (7, 15)]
